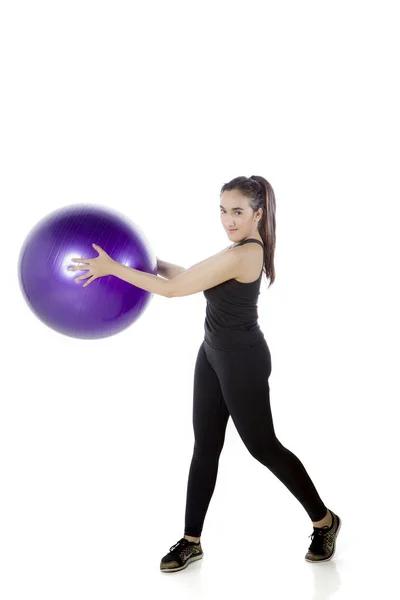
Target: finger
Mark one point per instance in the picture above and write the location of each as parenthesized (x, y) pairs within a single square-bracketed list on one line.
[(83, 277), (81, 260), (98, 249), (76, 268), (90, 281)]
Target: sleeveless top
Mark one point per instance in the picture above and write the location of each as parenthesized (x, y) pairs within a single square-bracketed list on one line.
[(231, 321)]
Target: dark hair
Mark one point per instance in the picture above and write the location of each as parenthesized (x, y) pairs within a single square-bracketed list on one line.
[(261, 195)]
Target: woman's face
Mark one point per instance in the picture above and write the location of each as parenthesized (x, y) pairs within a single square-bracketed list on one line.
[(238, 216)]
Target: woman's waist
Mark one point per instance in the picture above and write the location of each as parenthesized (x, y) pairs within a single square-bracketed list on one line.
[(228, 338)]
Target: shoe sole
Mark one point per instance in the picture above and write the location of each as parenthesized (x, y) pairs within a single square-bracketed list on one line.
[(187, 563), (334, 548)]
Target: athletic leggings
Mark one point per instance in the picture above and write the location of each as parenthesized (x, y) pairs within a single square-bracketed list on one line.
[(235, 383)]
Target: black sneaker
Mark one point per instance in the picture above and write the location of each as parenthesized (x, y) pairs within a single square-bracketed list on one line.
[(180, 555), (323, 543)]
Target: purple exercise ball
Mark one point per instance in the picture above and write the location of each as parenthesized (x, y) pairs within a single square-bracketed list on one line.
[(108, 304)]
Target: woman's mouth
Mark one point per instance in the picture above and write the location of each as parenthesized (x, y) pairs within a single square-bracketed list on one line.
[(232, 230)]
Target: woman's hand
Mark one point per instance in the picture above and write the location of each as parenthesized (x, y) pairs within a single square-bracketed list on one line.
[(96, 267)]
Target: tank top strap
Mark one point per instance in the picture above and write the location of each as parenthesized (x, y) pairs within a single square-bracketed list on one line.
[(251, 240)]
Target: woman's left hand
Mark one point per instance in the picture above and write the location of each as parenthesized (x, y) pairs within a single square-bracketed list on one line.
[(96, 267)]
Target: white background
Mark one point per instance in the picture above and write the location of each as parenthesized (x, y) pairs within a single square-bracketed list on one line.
[(150, 107)]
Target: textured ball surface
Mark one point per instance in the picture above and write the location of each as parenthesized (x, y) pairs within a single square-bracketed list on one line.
[(108, 305)]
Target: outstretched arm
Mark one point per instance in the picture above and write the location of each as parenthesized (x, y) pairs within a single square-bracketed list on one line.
[(209, 273)]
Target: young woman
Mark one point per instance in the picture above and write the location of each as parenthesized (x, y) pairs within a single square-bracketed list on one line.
[(233, 363)]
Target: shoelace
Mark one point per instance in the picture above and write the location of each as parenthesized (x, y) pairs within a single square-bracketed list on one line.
[(182, 544), (318, 539)]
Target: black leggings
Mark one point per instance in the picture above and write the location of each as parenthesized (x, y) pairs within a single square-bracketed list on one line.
[(235, 383)]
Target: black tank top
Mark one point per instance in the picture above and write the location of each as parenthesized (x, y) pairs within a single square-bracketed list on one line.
[(231, 321)]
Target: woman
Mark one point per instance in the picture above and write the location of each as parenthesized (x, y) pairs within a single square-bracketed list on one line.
[(233, 363)]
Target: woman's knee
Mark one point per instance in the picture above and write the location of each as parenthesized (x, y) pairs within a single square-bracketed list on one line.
[(208, 450), (265, 450)]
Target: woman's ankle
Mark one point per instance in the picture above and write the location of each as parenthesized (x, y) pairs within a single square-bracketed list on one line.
[(326, 521), (192, 539)]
